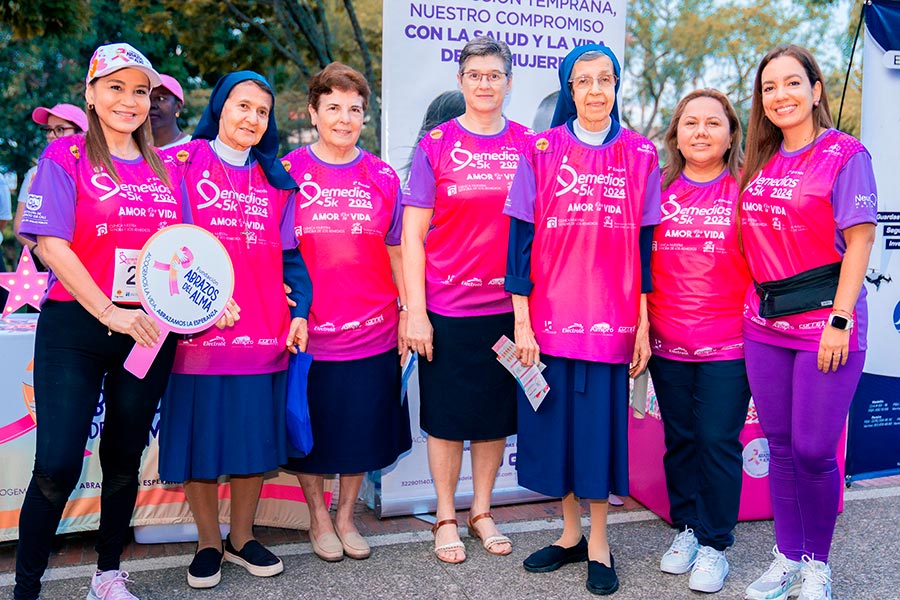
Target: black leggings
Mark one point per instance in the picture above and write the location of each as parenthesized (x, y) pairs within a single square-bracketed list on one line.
[(74, 360)]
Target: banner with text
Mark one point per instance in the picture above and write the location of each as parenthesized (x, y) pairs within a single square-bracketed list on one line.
[(874, 443)]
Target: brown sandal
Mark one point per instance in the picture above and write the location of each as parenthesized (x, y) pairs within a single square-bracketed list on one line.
[(457, 545), (490, 541)]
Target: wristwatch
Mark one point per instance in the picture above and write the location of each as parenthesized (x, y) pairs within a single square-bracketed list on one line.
[(840, 322)]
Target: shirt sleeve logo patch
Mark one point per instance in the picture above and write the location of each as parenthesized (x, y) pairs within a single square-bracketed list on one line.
[(542, 144), (436, 134), (286, 164), (183, 155), (75, 152)]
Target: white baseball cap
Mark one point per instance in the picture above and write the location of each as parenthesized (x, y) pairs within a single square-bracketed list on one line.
[(113, 57)]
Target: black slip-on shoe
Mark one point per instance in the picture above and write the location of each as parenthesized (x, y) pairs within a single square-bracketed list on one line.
[(553, 557)]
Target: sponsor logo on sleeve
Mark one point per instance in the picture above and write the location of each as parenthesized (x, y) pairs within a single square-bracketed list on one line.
[(34, 202)]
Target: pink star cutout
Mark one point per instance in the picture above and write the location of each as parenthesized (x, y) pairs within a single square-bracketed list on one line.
[(26, 284)]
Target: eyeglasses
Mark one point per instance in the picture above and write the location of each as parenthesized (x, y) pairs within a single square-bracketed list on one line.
[(58, 131), (586, 82), (474, 77)]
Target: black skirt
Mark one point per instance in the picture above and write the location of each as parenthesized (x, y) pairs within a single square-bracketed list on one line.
[(358, 421), (466, 394)]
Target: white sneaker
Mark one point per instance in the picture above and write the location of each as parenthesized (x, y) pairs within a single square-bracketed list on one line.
[(680, 556), (710, 570), (816, 580), (781, 580), (110, 585)]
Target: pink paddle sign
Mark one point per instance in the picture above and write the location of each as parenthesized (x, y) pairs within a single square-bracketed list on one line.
[(185, 278)]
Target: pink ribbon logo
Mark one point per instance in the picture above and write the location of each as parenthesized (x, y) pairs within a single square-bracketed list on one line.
[(171, 267)]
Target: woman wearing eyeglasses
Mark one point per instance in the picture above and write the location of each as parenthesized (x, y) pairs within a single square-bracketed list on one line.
[(56, 122), (583, 205), (457, 306)]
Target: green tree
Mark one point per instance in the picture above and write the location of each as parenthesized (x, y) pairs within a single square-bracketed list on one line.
[(286, 40), (674, 47), (53, 18)]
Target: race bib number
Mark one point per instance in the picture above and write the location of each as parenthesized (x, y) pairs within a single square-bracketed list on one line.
[(125, 276)]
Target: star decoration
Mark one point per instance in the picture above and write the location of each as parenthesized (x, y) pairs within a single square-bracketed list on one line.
[(26, 284)]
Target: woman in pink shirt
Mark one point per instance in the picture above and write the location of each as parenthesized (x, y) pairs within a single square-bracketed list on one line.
[(224, 410), (454, 250), (808, 211), (699, 280), (348, 220), (89, 203)]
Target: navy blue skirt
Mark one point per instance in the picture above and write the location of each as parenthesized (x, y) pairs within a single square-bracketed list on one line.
[(577, 441), (465, 392), (213, 425), (358, 421)]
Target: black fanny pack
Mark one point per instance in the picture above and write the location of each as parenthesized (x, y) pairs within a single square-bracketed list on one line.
[(800, 293)]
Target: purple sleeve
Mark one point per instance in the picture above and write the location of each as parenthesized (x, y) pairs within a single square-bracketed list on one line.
[(522, 193), (420, 187), (50, 208), (288, 237), (652, 212), (853, 197), (393, 235)]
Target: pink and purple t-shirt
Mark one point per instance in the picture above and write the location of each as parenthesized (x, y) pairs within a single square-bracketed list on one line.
[(792, 216), (345, 216), (107, 222), (465, 177), (254, 221), (587, 204), (699, 274)]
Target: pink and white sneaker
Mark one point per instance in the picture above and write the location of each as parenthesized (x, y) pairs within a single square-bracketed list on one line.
[(110, 585)]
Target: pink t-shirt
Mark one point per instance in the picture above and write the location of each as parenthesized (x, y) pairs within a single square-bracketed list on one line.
[(699, 274), (792, 217), (344, 217), (464, 178), (107, 223), (587, 204), (222, 205)]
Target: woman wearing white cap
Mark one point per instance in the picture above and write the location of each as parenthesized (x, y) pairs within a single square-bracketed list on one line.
[(166, 102), (56, 122), (91, 319)]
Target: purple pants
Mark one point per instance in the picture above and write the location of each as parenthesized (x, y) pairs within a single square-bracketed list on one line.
[(802, 411)]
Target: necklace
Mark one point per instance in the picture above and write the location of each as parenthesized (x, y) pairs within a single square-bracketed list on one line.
[(244, 221)]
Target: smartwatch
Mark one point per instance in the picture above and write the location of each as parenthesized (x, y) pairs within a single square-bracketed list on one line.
[(840, 322)]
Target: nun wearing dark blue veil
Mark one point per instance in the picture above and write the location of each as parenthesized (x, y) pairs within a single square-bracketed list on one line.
[(223, 412), (582, 208)]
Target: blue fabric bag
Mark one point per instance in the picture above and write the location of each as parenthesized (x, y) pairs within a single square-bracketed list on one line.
[(298, 425)]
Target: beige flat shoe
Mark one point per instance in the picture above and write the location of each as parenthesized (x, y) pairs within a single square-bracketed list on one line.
[(355, 546), (328, 547)]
